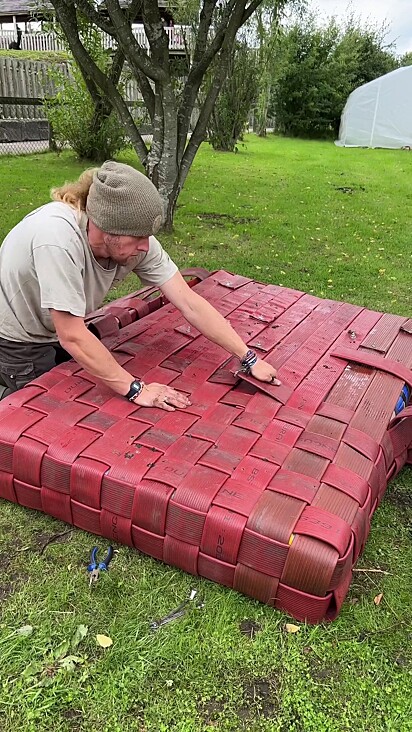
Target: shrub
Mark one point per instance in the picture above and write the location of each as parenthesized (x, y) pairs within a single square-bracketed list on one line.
[(88, 126), (230, 114)]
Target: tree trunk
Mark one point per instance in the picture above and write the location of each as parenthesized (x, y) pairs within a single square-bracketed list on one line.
[(263, 104), (170, 156), (170, 212), (267, 30), (168, 169)]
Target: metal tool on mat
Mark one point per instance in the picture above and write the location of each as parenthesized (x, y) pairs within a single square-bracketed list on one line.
[(95, 567)]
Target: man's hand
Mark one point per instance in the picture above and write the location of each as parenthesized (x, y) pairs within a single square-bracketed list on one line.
[(162, 396), (263, 371), (206, 319)]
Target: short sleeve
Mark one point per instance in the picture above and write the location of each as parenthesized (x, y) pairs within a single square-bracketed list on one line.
[(60, 279), (156, 267)]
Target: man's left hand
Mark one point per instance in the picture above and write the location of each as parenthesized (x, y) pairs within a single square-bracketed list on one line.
[(263, 371)]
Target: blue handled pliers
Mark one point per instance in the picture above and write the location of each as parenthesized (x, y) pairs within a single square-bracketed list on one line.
[(95, 567)]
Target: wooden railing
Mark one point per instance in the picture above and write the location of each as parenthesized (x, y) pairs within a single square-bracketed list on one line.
[(178, 39)]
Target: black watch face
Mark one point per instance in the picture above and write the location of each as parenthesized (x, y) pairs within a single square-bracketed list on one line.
[(135, 389)]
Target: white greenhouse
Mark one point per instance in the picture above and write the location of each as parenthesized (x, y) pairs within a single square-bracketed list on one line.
[(379, 114)]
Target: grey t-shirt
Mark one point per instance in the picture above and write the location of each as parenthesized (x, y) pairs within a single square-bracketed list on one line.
[(46, 262)]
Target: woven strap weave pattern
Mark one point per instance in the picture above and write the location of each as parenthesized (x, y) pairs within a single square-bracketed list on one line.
[(268, 490)]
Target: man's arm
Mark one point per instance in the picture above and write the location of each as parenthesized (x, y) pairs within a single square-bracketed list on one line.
[(206, 319), (97, 360)]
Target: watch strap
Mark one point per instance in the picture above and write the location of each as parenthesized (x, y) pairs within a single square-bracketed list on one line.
[(135, 389)]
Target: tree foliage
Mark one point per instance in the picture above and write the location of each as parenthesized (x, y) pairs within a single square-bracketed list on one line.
[(90, 127), (170, 105), (265, 28), (406, 59), (230, 114), (318, 67)]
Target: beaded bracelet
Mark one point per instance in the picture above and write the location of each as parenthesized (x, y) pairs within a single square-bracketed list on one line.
[(248, 361)]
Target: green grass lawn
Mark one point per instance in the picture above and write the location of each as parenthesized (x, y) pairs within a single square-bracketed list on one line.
[(42, 56), (303, 214)]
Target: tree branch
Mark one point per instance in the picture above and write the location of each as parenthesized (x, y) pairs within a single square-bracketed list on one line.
[(147, 93), (93, 15), (199, 69), (92, 88), (139, 60), (199, 132), (141, 77), (158, 40), (117, 66), (134, 7), (205, 20), (250, 10)]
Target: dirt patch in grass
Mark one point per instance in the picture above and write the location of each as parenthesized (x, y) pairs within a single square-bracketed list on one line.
[(400, 498), (10, 578), (349, 189), (320, 671), (401, 660), (4, 562), (5, 592), (73, 717), (260, 699), (216, 219), (42, 540), (249, 628), (10, 584), (364, 585), (211, 711)]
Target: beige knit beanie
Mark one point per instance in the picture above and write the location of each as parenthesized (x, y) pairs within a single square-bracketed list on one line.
[(123, 201)]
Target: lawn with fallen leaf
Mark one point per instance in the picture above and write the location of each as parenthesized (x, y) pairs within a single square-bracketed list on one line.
[(76, 657)]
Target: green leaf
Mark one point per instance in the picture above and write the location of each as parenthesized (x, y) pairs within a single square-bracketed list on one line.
[(81, 632), (34, 668), (46, 681), (69, 663), (61, 650)]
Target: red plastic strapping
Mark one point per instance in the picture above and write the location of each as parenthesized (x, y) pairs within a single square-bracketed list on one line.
[(267, 490), (400, 432), (394, 368), (382, 336)]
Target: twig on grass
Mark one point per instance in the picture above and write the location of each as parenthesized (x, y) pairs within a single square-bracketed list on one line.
[(54, 538), (381, 571)]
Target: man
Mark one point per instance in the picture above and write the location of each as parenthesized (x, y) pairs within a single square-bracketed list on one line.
[(58, 264)]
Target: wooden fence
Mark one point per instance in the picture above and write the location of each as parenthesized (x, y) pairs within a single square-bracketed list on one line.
[(22, 79), (178, 40)]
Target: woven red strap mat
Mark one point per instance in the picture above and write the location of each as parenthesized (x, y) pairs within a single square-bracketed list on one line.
[(268, 490)]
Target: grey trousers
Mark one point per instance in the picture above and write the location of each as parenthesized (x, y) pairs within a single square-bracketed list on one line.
[(20, 363)]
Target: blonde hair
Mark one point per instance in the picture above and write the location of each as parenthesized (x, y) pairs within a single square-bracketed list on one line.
[(75, 194)]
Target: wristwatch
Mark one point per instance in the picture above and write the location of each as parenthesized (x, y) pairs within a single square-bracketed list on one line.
[(136, 388), (249, 360)]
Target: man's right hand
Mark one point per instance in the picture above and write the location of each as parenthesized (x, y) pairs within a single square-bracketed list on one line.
[(162, 396), (94, 357)]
